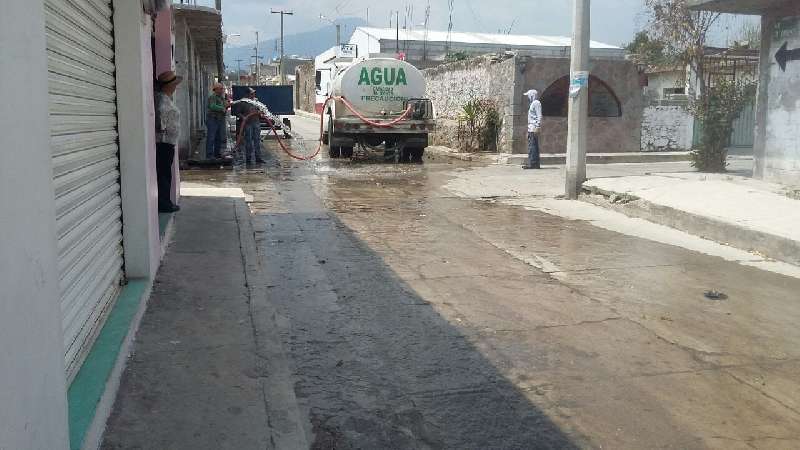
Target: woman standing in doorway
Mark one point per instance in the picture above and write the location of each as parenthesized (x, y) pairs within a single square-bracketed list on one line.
[(168, 118)]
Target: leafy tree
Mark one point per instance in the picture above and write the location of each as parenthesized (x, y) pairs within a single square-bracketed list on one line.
[(648, 51), (716, 100)]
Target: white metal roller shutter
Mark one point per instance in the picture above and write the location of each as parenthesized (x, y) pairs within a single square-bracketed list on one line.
[(83, 124)]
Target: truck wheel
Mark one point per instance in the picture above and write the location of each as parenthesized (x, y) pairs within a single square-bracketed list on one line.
[(405, 155), (326, 135), (334, 152), (346, 152), (416, 154)]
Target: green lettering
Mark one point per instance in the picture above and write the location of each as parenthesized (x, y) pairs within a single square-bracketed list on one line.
[(376, 76), (401, 78), (388, 76), (364, 78)]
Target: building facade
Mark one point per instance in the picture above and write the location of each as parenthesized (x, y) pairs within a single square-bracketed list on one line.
[(777, 127), (430, 48), (616, 100), (197, 34), (80, 237)]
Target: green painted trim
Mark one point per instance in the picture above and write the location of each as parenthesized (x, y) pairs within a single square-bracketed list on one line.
[(89, 385), (163, 221)]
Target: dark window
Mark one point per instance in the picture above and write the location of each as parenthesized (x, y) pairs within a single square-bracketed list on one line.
[(602, 100), (674, 91), (318, 79)]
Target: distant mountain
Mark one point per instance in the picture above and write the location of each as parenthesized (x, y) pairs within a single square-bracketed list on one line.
[(308, 44)]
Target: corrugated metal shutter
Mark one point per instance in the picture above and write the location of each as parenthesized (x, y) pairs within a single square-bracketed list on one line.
[(83, 124)]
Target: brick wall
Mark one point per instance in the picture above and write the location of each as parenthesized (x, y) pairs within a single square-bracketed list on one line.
[(606, 134)]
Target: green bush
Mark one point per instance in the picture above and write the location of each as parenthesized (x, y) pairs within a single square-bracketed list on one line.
[(479, 125), (715, 113)]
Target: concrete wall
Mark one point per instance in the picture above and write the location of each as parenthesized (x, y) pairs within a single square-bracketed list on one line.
[(192, 95), (777, 141), (667, 127), (657, 82), (137, 147), (606, 134), (305, 87), (451, 86), (33, 406)]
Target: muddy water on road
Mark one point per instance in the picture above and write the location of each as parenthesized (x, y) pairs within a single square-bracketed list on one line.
[(418, 319)]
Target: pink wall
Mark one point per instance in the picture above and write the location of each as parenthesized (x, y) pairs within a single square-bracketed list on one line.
[(164, 44), (164, 41)]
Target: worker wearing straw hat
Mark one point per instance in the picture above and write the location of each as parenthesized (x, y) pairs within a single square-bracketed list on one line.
[(168, 118)]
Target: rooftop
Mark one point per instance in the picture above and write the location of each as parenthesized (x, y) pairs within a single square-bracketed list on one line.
[(739, 6), (505, 40), (205, 24)]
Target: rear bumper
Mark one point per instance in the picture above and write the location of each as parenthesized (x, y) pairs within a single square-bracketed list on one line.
[(355, 125)]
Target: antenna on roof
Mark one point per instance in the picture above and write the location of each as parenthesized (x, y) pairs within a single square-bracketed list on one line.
[(425, 38), (511, 27), (450, 5)]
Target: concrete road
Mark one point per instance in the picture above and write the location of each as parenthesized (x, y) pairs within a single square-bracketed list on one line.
[(437, 306)]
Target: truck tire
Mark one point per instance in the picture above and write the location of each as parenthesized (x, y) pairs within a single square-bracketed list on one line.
[(334, 152), (416, 154), (346, 152), (326, 135)]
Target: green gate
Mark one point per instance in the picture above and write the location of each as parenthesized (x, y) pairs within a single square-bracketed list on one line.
[(743, 135)]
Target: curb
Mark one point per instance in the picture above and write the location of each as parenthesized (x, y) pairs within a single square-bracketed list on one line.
[(560, 158), (277, 384), (769, 245)]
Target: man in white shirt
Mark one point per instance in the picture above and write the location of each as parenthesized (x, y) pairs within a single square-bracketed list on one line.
[(534, 124)]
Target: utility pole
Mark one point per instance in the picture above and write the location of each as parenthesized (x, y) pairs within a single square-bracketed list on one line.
[(338, 35), (239, 70), (397, 25), (283, 65), (258, 63), (578, 117)]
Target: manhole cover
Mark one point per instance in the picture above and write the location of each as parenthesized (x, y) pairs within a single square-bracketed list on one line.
[(715, 295)]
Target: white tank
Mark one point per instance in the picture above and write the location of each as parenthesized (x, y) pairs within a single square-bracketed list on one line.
[(381, 85)]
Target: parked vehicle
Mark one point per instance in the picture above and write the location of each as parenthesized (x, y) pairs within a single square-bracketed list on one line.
[(378, 103)]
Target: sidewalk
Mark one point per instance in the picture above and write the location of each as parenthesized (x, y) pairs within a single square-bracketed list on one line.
[(198, 378), (741, 212)]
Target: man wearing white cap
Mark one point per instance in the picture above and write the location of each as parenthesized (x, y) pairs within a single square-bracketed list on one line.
[(534, 124)]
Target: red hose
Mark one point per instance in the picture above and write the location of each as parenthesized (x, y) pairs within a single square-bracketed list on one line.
[(375, 124), (321, 126)]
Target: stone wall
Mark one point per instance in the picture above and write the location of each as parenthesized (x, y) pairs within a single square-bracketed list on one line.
[(305, 88), (451, 86), (606, 134), (667, 128)]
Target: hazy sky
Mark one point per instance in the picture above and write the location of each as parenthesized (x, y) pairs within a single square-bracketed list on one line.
[(613, 21)]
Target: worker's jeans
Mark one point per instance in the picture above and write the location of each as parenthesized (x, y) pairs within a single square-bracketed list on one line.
[(215, 127), (252, 142), (165, 155), (533, 150)]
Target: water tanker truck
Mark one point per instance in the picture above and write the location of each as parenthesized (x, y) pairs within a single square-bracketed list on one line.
[(378, 104)]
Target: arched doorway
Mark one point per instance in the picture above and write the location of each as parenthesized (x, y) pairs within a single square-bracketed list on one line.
[(603, 102)]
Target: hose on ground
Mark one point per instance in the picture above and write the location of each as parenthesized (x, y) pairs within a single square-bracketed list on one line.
[(349, 106)]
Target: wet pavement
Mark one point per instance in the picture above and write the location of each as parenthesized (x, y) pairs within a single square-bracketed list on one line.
[(416, 316)]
